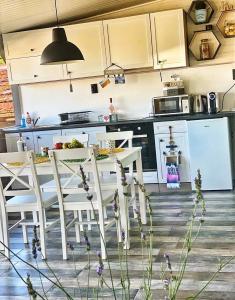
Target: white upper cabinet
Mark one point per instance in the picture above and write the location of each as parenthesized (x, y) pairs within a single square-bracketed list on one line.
[(89, 38), (128, 42), (169, 39), (26, 43), (26, 70)]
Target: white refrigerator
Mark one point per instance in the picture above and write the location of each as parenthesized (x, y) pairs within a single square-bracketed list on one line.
[(210, 151)]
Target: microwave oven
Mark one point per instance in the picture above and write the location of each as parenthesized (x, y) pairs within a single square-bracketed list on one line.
[(171, 105)]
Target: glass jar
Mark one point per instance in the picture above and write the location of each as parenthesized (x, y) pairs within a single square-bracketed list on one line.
[(204, 49)]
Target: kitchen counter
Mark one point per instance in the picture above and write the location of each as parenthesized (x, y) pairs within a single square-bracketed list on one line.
[(16, 129)]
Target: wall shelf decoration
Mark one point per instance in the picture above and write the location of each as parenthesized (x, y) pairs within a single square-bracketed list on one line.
[(203, 14), (198, 36), (226, 23)]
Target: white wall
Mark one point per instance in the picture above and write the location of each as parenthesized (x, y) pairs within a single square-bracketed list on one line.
[(133, 99)]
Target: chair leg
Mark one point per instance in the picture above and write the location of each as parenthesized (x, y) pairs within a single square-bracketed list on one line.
[(102, 239), (80, 219), (88, 213), (42, 231), (5, 233), (77, 227), (133, 198), (92, 215), (119, 234), (63, 236), (105, 213), (24, 229)]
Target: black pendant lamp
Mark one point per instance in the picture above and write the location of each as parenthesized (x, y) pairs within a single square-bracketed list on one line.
[(60, 51)]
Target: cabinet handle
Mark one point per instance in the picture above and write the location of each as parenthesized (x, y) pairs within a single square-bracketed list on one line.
[(161, 140), (27, 138), (35, 75), (38, 137), (32, 49), (83, 132), (164, 153)]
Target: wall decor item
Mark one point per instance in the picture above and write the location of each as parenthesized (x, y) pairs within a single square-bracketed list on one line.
[(204, 44), (200, 11), (226, 5), (116, 72), (226, 23), (60, 51)]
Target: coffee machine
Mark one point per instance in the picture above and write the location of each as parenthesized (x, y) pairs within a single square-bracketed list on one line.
[(213, 103)]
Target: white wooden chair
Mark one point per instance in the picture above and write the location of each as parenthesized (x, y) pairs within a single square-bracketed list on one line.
[(110, 181), (74, 181), (50, 186), (76, 200), (28, 199)]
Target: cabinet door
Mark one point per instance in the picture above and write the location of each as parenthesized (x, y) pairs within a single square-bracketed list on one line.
[(128, 42), (169, 39), (44, 139), (28, 138), (26, 43), (89, 37), (161, 142), (26, 70), (11, 141), (91, 131)]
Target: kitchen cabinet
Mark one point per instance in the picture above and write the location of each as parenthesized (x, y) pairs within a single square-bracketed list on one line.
[(29, 140), (161, 143), (169, 39), (11, 139), (210, 151), (27, 70), (180, 137), (44, 139), (91, 131), (26, 43), (128, 42), (89, 38)]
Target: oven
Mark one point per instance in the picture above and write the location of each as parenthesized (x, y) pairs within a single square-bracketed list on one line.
[(144, 138)]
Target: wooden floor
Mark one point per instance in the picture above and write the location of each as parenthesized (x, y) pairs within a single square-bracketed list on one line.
[(171, 213)]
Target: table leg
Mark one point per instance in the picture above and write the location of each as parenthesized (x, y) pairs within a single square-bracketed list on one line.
[(139, 171), (1, 236), (123, 206)]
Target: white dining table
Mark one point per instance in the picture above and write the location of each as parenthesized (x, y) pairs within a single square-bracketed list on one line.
[(127, 158)]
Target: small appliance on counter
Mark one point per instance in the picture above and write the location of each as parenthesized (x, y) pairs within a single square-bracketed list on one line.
[(199, 104), (173, 87), (74, 117), (171, 105), (213, 102)]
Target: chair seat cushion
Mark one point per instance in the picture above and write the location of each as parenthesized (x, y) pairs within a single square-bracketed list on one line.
[(80, 201), (50, 186), (29, 202)]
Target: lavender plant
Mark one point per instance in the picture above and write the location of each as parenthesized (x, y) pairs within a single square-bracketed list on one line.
[(171, 281)]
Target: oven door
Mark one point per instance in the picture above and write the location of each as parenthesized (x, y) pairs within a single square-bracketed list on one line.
[(166, 105)]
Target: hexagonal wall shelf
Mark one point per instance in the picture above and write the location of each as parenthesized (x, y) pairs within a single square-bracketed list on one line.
[(226, 23), (192, 10), (214, 43)]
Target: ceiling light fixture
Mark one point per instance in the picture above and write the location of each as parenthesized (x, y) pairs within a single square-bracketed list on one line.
[(60, 51)]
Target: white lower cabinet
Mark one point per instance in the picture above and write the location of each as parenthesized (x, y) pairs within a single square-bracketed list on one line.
[(44, 139), (162, 143), (11, 140), (91, 131)]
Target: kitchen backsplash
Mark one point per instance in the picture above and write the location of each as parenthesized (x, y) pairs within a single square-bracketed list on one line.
[(132, 99)]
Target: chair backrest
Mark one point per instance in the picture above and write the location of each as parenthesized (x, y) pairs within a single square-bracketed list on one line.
[(69, 161), (82, 138), (15, 166), (124, 136)]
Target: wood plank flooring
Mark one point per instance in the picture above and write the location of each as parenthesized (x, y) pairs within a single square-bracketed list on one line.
[(170, 216)]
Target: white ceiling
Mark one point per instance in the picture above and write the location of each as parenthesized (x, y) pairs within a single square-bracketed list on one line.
[(16, 15)]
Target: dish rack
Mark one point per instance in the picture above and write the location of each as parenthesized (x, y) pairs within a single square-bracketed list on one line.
[(75, 117)]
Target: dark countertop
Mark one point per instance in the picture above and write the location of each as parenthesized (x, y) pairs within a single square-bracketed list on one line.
[(188, 117)]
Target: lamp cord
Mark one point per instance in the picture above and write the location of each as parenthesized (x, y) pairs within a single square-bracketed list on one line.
[(222, 105), (56, 12)]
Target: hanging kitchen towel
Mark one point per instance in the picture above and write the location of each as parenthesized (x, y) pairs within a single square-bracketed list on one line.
[(173, 177)]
